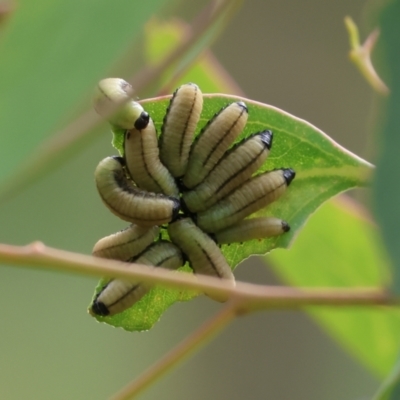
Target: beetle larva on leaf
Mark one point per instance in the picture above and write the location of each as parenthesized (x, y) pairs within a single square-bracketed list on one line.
[(236, 166), (112, 91), (142, 160), (118, 294), (252, 196), (179, 125), (125, 244), (213, 141), (204, 255), (252, 228), (129, 202), (203, 190)]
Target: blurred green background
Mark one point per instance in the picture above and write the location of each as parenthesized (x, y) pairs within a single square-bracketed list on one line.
[(291, 54)]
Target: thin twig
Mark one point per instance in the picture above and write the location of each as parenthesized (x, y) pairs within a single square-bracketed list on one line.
[(250, 297), (193, 342), (361, 55)]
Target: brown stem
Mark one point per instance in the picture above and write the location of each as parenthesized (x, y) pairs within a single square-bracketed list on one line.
[(249, 297)]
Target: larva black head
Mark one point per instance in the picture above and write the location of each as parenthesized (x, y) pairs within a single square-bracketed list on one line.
[(99, 308), (285, 226), (266, 138), (142, 121), (119, 159), (289, 175), (176, 208)]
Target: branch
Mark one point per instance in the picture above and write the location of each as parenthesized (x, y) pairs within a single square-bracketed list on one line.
[(249, 297)]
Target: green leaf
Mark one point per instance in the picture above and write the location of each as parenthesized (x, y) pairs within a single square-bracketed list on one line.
[(323, 169), (340, 247), (386, 189)]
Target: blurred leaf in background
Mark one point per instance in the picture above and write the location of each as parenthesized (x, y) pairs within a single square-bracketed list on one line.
[(340, 247), (387, 189), (52, 54)]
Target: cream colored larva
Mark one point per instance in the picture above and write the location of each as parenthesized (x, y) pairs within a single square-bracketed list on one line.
[(179, 125), (113, 91), (213, 141), (252, 228), (118, 295), (125, 244), (129, 202), (204, 255), (143, 163), (237, 165), (252, 196)]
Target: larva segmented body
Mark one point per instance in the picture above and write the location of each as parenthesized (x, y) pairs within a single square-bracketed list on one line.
[(252, 228), (213, 141), (237, 165), (112, 91), (179, 126), (142, 160), (204, 255), (252, 196), (129, 202), (118, 294), (125, 244)]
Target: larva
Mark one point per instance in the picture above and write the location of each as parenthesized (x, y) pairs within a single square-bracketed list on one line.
[(237, 165), (112, 91), (179, 125), (252, 196), (142, 160), (125, 244), (119, 294), (204, 255), (213, 141), (127, 201), (252, 228)]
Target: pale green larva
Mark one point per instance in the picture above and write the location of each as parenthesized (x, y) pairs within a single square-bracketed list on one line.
[(204, 255), (118, 294), (113, 91), (252, 228), (179, 125), (143, 163), (125, 244), (236, 166), (213, 141), (127, 201), (252, 196)]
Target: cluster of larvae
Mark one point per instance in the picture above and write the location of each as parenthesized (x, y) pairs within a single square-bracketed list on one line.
[(201, 189)]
